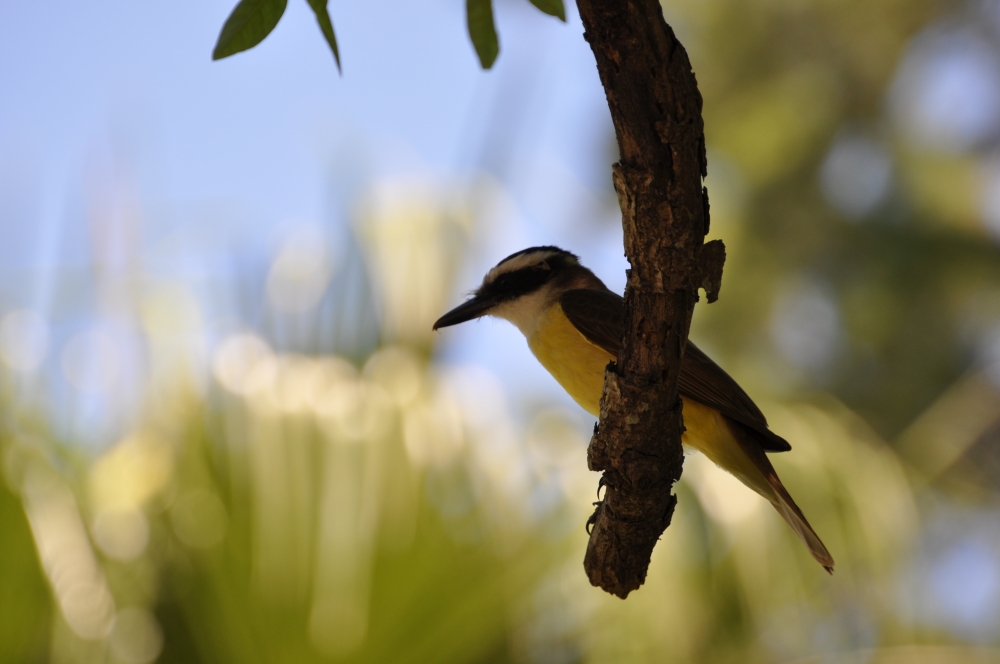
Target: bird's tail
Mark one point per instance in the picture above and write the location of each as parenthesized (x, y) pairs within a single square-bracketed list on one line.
[(793, 516), (778, 496)]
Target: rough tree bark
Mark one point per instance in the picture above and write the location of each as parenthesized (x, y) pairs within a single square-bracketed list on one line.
[(656, 108)]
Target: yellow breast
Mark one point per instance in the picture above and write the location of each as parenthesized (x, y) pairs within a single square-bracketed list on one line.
[(578, 366), (574, 362)]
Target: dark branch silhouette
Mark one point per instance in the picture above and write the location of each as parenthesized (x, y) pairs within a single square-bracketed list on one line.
[(656, 108)]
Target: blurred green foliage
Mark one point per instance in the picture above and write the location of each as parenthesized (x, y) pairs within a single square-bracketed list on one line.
[(24, 598), (782, 82)]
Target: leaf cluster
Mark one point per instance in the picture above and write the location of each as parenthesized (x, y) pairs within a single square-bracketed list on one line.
[(253, 20)]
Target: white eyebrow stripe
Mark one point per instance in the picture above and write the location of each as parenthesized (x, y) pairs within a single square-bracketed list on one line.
[(517, 263)]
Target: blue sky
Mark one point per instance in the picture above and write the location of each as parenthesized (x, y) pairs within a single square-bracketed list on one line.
[(101, 98)]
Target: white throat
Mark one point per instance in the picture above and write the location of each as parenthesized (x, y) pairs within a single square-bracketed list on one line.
[(526, 311)]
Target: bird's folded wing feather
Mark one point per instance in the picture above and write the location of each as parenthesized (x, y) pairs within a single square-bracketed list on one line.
[(600, 316)]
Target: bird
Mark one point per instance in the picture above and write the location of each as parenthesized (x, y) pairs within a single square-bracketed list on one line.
[(573, 324)]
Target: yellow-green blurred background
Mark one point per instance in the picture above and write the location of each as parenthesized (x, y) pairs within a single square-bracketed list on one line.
[(229, 435)]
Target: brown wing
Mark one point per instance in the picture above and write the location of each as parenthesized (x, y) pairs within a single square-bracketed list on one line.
[(599, 316)]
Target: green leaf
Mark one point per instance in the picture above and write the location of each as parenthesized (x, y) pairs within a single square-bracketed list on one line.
[(250, 22), (552, 8), (326, 25), (482, 31)]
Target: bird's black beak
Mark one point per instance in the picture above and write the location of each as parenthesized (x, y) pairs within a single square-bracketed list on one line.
[(474, 308)]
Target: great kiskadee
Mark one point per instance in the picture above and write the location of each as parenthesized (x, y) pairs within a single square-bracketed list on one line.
[(574, 324)]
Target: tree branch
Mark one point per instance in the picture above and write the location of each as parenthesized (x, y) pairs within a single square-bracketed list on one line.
[(656, 109)]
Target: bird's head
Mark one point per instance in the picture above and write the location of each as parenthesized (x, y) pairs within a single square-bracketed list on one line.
[(522, 285)]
